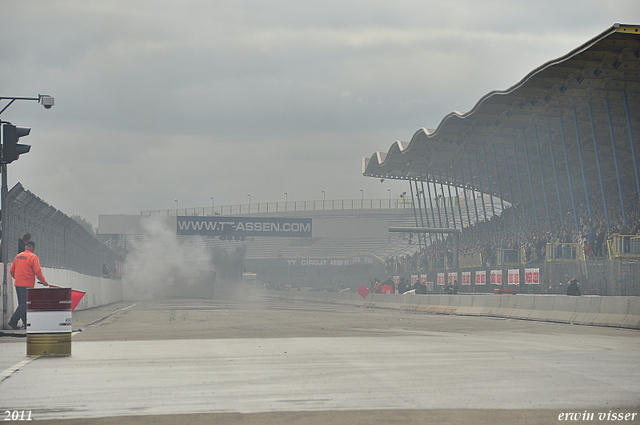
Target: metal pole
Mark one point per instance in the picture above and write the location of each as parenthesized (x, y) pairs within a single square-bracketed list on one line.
[(484, 207), (5, 248), (456, 249), (584, 175), (533, 198), (544, 186), (555, 176), (566, 161), (426, 213), (466, 201), (513, 208), (444, 202), (495, 162), (453, 213), (493, 207), (475, 204), (455, 232), (524, 210), (435, 189), (418, 192), (633, 153), (453, 169), (615, 161), (415, 214), (5, 207), (431, 206), (595, 149)]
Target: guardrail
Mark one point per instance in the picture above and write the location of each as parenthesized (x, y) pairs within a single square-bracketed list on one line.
[(313, 205), (560, 251), (267, 207), (615, 311), (624, 247)]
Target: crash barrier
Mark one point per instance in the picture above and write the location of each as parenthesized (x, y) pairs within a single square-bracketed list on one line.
[(98, 291), (595, 310), (49, 322)]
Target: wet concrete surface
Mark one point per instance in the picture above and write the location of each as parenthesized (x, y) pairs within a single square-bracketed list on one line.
[(272, 361)]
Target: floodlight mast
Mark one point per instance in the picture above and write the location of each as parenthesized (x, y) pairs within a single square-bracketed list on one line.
[(46, 101)]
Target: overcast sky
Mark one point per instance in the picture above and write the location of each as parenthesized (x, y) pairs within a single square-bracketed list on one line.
[(163, 100)]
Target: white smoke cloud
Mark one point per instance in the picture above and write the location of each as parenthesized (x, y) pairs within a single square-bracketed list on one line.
[(158, 257)]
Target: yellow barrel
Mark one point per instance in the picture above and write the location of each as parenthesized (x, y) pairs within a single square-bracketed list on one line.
[(54, 344)]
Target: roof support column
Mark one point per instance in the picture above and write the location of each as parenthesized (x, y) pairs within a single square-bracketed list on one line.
[(595, 148), (444, 200), (420, 196), (453, 213), (453, 169), (415, 214), (495, 162), (466, 201), (533, 198), (431, 205), (633, 153), (426, 210), (475, 204), (566, 161), (456, 237), (513, 201), (484, 207), (555, 177), (493, 207), (615, 161), (544, 186), (435, 190), (584, 175), (524, 209)]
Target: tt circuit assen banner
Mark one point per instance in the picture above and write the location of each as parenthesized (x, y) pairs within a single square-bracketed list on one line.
[(245, 226)]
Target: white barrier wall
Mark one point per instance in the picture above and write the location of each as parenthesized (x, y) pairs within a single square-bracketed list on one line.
[(593, 310), (99, 291)]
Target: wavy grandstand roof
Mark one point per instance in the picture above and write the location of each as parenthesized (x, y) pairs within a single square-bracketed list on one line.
[(545, 125)]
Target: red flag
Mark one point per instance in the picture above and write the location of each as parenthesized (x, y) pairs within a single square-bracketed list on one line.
[(76, 296), (363, 291)]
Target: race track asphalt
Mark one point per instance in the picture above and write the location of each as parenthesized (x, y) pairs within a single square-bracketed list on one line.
[(259, 360)]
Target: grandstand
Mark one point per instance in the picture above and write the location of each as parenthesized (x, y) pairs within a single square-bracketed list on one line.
[(554, 159), (325, 260), (561, 146)]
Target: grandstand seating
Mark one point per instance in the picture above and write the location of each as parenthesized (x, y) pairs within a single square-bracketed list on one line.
[(395, 245)]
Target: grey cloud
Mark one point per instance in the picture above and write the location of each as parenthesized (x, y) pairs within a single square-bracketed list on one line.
[(159, 99)]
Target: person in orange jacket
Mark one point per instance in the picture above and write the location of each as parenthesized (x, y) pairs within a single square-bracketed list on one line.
[(24, 270)]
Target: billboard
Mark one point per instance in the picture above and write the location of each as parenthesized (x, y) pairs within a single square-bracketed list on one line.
[(244, 226)]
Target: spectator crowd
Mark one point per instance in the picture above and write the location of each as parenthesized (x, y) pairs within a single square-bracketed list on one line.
[(532, 233)]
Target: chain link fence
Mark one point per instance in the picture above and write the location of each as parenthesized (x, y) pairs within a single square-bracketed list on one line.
[(60, 241)]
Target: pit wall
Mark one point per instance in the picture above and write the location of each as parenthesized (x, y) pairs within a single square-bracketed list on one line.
[(623, 312), (99, 291)]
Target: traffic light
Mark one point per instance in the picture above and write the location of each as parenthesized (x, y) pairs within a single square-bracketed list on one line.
[(11, 149)]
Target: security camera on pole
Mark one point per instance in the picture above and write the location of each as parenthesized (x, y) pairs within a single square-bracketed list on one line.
[(10, 152)]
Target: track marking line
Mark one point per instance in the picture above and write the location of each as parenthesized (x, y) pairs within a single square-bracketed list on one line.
[(104, 318), (16, 367)]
